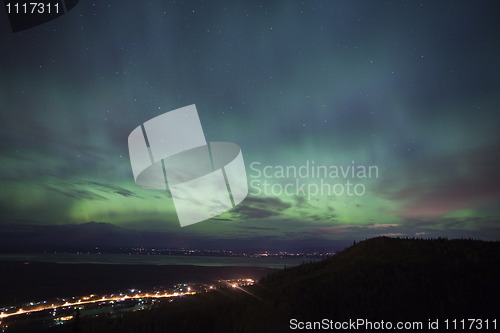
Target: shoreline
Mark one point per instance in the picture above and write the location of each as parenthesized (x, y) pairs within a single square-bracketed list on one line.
[(37, 281)]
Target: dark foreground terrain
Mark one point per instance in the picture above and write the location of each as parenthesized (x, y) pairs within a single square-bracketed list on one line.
[(378, 279)]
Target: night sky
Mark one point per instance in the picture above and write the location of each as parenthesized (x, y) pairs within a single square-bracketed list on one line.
[(411, 87)]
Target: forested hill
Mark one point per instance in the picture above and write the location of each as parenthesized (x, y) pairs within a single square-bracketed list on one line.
[(378, 279), (397, 279)]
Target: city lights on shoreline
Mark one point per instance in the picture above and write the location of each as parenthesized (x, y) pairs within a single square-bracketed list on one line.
[(183, 290)]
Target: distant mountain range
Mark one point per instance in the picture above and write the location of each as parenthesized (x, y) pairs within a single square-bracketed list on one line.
[(28, 237), (380, 279)]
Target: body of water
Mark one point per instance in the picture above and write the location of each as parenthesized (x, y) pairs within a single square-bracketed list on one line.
[(137, 259)]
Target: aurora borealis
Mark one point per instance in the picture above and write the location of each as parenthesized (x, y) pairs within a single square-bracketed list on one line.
[(411, 87)]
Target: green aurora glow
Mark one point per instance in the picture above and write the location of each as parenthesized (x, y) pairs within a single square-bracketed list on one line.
[(409, 87)]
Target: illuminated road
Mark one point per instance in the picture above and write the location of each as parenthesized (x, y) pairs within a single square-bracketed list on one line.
[(88, 300), (235, 283)]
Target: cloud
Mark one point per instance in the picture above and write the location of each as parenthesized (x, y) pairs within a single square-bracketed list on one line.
[(381, 226), (333, 230), (273, 202), (257, 228), (104, 187), (84, 189), (253, 207), (75, 193), (354, 228), (301, 202), (394, 234), (248, 212), (456, 181)]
